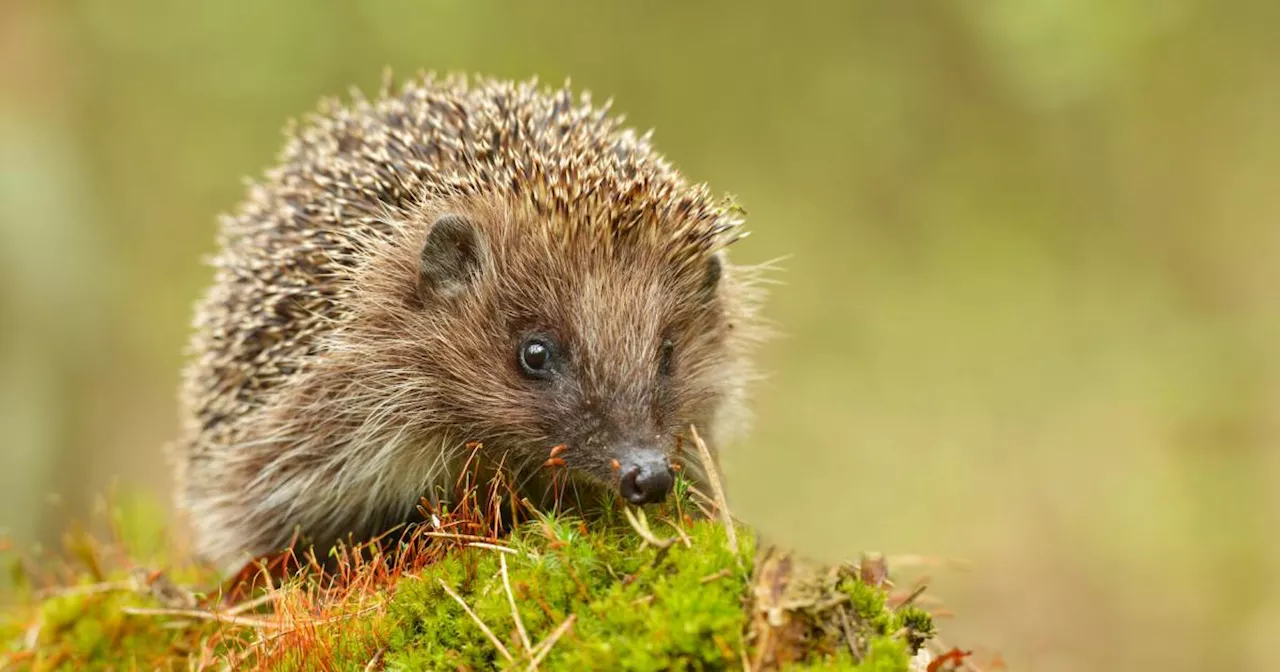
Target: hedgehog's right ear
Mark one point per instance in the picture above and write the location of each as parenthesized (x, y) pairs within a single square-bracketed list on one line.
[(450, 261)]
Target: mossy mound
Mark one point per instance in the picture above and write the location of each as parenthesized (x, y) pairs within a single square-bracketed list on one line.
[(632, 610), (601, 595)]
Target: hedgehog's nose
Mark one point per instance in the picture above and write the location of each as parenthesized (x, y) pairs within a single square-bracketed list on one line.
[(646, 480)]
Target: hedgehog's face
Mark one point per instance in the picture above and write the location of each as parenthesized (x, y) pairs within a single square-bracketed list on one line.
[(609, 351)]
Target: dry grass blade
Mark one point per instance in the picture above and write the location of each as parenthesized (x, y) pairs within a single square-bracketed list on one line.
[(702, 501), (716, 576), (483, 628), (511, 599), (641, 525), (373, 662), (717, 488), (31, 638), (684, 537), (494, 547), (545, 647), (256, 602), (849, 637), (457, 536), (911, 597), (200, 615)]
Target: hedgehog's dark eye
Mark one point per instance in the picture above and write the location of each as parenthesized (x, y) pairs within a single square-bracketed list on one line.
[(535, 357), (664, 356)]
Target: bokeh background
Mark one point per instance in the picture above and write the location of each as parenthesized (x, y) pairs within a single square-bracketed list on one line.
[(1031, 304)]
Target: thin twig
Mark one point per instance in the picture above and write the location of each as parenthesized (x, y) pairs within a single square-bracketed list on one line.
[(688, 543), (642, 528), (545, 647), (701, 500), (716, 576), (377, 658), (31, 638), (850, 638), (457, 536), (494, 547), (201, 615), (254, 603), (911, 597), (706, 499), (483, 628), (713, 475), (511, 598)]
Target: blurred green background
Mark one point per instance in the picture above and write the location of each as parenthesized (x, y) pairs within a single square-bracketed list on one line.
[(1031, 305)]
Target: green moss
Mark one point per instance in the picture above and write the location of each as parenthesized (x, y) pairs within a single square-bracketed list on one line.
[(919, 626), (87, 629), (868, 605), (683, 612), (884, 654), (635, 607)]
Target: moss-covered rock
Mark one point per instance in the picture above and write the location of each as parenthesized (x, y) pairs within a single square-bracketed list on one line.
[(666, 594)]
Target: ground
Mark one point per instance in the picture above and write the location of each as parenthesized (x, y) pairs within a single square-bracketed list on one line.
[(673, 587)]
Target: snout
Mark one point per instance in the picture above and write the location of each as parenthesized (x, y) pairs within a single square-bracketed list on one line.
[(646, 477)]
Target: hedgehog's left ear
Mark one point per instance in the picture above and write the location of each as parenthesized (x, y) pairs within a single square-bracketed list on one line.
[(711, 276), (450, 262)]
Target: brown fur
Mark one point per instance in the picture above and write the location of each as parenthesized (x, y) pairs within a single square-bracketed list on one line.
[(327, 396)]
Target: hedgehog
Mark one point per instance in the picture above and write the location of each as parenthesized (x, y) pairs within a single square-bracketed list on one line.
[(458, 265)]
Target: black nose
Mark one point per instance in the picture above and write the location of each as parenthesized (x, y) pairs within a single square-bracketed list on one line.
[(646, 482)]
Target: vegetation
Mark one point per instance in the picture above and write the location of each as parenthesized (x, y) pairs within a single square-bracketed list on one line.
[(672, 588)]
